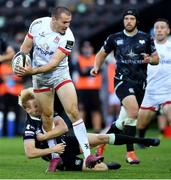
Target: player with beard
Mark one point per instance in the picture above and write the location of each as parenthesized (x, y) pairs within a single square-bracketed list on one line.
[(133, 50)]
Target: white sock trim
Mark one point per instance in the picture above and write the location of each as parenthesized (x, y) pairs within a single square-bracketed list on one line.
[(78, 122), (111, 138), (121, 118)]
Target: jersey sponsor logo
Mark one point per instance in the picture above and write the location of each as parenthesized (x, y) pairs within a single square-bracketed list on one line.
[(29, 133), (43, 51), (165, 61), (119, 42), (132, 61), (69, 45), (142, 41)]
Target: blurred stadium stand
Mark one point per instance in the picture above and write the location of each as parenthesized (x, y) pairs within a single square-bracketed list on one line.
[(90, 17)]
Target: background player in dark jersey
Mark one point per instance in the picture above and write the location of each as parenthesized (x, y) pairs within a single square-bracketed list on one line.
[(133, 50), (35, 140)]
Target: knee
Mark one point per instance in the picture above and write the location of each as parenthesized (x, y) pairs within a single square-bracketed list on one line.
[(133, 113)]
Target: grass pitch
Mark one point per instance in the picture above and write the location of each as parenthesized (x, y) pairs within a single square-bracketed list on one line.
[(155, 163)]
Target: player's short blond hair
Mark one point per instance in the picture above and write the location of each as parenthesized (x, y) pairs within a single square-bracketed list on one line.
[(25, 96)]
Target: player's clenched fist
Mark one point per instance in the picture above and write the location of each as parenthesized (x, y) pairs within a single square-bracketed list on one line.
[(94, 71)]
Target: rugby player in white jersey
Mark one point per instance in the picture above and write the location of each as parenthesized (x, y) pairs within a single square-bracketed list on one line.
[(158, 90), (53, 40)]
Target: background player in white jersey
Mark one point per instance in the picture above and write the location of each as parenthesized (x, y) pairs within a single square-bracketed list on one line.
[(158, 90), (53, 41)]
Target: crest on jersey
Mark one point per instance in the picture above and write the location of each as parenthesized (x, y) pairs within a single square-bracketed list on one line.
[(56, 40), (142, 41), (45, 46), (131, 54), (119, 42)]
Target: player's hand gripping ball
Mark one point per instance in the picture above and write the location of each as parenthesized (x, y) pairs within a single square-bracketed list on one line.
[(20, 60)]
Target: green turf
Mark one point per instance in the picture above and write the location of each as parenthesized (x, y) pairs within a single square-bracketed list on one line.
[(155, 163)]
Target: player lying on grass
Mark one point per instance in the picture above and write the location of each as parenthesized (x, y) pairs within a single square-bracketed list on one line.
[(35, 143)]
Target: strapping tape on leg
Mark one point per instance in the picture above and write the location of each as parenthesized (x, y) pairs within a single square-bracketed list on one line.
[(130, 122)]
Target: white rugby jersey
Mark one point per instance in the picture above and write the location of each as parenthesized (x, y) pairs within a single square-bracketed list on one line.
[(159, 76), (46, 42)]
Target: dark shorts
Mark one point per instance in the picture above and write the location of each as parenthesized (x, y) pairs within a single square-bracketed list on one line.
[(69, 157), (70, 160), (125, 88), (89, 99)]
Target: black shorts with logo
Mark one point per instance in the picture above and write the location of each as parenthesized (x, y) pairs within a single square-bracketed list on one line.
[(128, 87)]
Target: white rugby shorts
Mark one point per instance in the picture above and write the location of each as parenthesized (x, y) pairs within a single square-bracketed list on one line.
[(153, 102), (42, 83)]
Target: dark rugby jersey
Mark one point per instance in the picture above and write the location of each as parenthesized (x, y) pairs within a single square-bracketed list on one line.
[(69, 157), (32, 125), (128, 54)]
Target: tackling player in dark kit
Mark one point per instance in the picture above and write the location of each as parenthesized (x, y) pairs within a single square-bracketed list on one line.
[(35, 143), (133, 50)]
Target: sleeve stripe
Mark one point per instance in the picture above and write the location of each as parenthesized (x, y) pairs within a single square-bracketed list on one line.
[(29, 36), (64, 50)]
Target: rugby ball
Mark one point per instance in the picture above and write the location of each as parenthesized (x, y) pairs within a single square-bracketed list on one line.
[(20, 60)]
